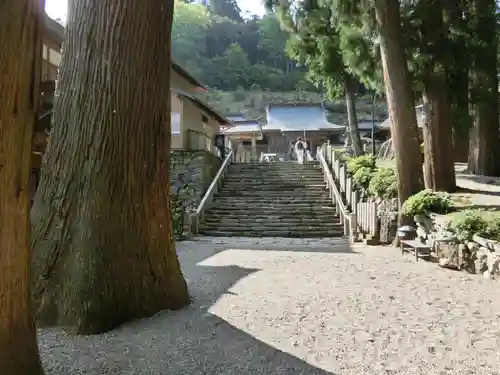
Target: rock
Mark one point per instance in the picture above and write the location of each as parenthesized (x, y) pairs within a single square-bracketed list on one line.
[(481, 262), (446, 263), (421, 233), (472, 246), (463, 257), (493, 262), (445, 235)]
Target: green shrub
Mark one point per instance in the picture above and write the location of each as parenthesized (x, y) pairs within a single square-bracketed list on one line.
[(469, 222), (364, 161), (384, 184), (363, 176), (427, 201)]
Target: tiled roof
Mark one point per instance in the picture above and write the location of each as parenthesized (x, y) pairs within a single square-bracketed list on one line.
[(366, 125), (244, 127), (186, 75), (386, 124), (236, 117), (203, 106), (298, 117)]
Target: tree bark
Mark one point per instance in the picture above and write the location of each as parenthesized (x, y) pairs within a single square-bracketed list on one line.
[(20, 43), (484, 150), (439, 167), (350, 99), (102, 230), (458, 78), (404, 130)]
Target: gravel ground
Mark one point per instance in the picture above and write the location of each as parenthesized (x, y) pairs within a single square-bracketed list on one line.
[(289, 307)]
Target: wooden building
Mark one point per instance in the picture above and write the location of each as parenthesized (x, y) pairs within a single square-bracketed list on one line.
[(284, 124)]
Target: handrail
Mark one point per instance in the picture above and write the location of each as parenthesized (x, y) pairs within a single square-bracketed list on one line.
[(197, 216), (348, 218)]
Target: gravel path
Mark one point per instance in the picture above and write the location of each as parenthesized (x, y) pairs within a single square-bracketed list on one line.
[(290, 307)]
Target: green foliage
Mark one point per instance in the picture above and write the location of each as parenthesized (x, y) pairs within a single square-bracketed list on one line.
[(364, 161), (383, 184), (483, 223), (428, 201), (363, 176), (224, 50)]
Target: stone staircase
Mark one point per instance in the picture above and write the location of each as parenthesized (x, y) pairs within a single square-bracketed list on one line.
[(284, 199)]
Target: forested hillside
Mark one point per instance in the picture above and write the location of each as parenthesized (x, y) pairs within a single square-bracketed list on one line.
[(216, 44)]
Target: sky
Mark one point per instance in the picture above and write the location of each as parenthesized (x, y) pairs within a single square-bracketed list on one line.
[(58, 8)]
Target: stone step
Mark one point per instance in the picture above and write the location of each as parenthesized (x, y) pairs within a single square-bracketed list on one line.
[(252, 190), (272, 195), (276, 170), (320, 199), (273, 176), (285, 221), (299, 187), (274, 180), (275, 205), (277, 216), (277, 233), (272, 226), (283, 164), (248, 212), (279, 171)]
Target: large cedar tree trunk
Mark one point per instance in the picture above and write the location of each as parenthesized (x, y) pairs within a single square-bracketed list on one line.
[(484, 148), (439, 166), (20, 46), (458, 78), (404, 130), (350, 97), (102, 230)]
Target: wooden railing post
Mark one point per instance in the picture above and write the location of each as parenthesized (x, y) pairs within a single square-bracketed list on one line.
[(214, 187)]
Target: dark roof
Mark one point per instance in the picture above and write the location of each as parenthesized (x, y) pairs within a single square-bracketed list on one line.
[(54, 29), (236, 117), (298, 116), (205, 107), (186, 75), (366, 125), (386, 124), (250, 126)]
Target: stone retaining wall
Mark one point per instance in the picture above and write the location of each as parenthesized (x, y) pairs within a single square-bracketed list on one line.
[(477, 255), (191, 174)]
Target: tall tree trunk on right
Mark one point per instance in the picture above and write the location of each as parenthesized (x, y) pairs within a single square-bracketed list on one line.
[(439, 166), (102, 238), (458, 77), (350, 98), (484, 151), (404, 130), (20, 58)]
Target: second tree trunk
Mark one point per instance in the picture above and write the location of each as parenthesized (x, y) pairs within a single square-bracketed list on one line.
[(102, 239)]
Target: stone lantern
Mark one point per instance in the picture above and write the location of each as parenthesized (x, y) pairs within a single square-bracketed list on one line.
[(406, 232)]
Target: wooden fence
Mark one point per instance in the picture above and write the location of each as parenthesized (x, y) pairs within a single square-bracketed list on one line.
[(365, 209)]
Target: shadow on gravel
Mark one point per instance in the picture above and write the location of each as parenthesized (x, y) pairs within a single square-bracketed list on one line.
[(192, 341), (308, 245)]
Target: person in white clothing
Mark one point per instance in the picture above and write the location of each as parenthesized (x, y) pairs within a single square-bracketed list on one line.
[(300, 150)]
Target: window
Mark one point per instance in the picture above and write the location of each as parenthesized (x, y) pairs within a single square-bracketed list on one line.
[(54, 57), (45, 52), (263, 141)]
